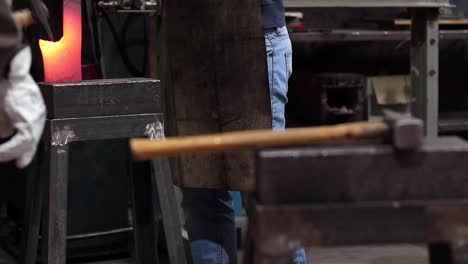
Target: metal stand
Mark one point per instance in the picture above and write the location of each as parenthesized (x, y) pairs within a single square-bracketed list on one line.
[(54, 221), (145, 216), (32, 217), (49, 194), (163, 180)]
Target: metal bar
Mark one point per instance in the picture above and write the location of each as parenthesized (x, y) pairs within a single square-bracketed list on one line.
[(354, 172), (368, 3), (100, 234), (102, 97), (144, 224), (367, 35), (103, 127), (54, 238), (169, 210), (425, 67)]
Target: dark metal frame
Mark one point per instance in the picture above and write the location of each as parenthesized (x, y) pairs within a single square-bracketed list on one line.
[(366, 35), (424, 48), (369, 3), (47, 195)]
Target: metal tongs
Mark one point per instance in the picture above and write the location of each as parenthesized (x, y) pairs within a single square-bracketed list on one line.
[(38, 13)]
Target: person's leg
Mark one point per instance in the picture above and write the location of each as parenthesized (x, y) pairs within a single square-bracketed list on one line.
[(279, 57), (209, 218), (209, 213)]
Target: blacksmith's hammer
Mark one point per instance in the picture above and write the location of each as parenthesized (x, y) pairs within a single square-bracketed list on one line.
[(404, 131)]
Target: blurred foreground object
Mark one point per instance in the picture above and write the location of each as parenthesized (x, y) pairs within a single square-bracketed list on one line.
[(22, 110)]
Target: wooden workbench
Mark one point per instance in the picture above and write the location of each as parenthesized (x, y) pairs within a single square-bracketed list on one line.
[(424, 48)]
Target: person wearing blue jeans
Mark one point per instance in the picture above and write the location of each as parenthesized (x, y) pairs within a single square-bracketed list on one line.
[(209, 214)]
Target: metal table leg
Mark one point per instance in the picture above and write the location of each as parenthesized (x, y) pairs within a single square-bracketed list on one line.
[(425, 67), (32, 216), (54, 229), (145, 222), (170, 215)]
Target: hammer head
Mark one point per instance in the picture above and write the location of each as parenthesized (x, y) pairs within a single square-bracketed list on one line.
[(406, 132)]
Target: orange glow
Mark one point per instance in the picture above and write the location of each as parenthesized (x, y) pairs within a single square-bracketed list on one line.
[(62, 59)]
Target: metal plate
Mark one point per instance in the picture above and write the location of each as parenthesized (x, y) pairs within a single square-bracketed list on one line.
[(363, 172), (368, 3), (102, 97)]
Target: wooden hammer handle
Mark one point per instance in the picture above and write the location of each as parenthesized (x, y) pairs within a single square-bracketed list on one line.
[(143, 149), (24, 18)]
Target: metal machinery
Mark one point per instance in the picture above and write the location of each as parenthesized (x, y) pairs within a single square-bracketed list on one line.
[(366, 35), (331, 98)]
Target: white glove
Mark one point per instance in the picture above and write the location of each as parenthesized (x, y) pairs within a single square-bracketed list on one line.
[(24, 109)]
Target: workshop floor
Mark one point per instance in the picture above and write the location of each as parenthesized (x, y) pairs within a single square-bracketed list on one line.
[(404, 254), (398, 254)]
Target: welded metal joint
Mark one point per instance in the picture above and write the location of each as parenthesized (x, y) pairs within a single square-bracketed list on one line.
[(155, 131), (62, 137), (132, 6)]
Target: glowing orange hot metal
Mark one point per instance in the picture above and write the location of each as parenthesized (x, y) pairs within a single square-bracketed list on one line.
[(62, 59)]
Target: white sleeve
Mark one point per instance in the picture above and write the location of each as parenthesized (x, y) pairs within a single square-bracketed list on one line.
[(26, 110)]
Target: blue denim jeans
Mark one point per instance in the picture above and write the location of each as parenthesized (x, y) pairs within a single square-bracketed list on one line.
[(279, 58), (209, 215)]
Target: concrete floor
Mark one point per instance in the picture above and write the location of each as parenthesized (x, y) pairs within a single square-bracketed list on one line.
[(398, 254), (404, 254), (401, 254)]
